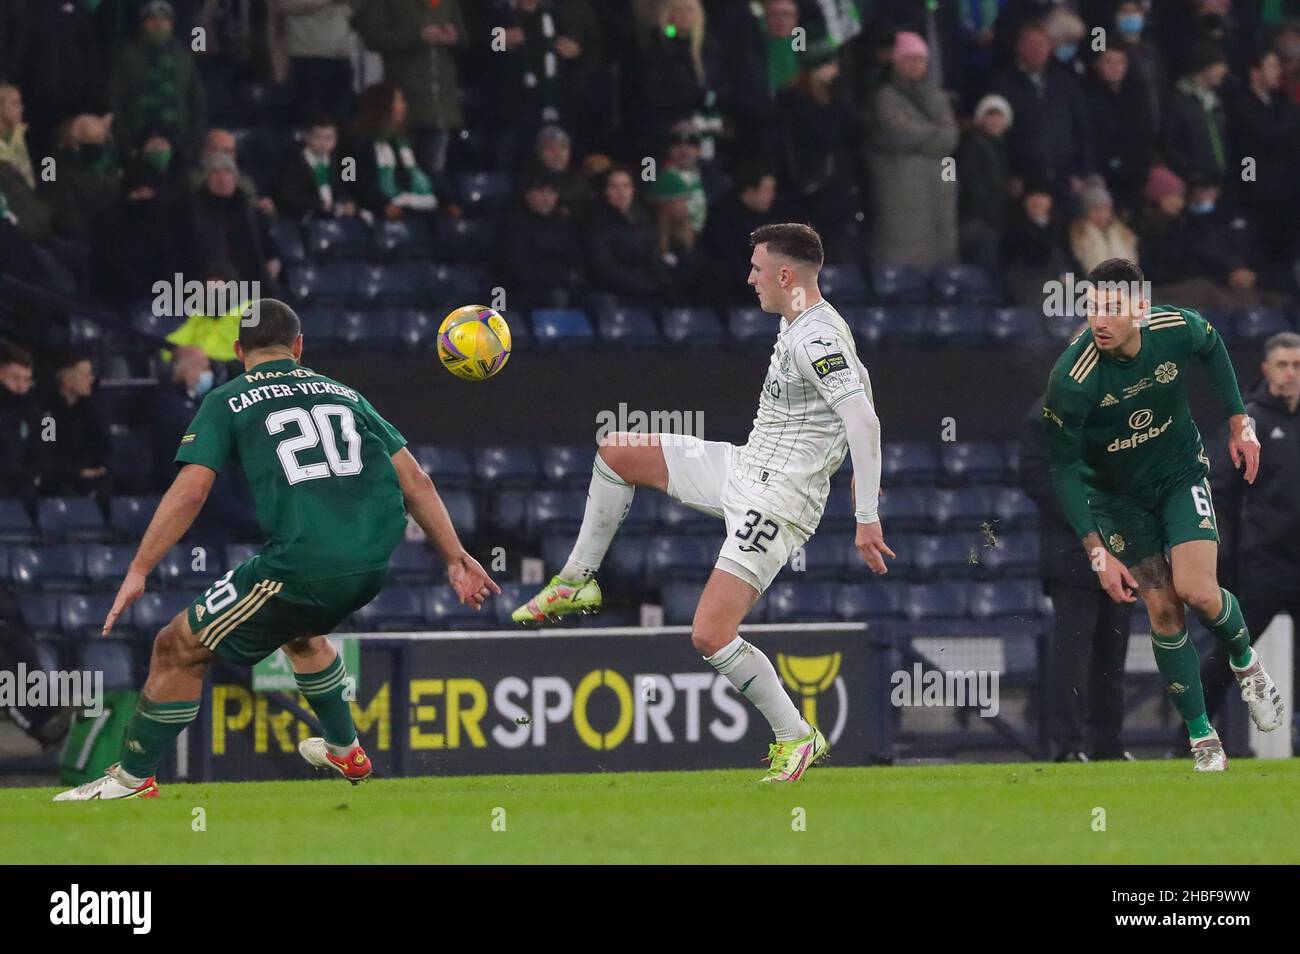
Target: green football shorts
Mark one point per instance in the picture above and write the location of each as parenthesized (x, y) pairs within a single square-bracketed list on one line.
[(244, 617), (1134, 530)]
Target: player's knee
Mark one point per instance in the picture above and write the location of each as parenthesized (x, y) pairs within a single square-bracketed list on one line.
[(305, 646), (707, 639), (1202, 595), (1166, 617), (173, 650)]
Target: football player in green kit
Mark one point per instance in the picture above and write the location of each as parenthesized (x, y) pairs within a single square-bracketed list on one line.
[(1129, 469), (333, 483)]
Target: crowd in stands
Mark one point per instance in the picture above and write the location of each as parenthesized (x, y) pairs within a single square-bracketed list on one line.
[(641, 141)]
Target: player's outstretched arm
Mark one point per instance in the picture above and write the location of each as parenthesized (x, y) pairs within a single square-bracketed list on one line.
[(1243, 445), (467, 577), (862, 429), (176, 512)]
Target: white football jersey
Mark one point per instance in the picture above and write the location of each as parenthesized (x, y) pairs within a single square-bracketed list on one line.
[(798, 441)]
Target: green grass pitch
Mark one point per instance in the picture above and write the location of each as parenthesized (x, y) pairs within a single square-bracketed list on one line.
[(1157, 811)]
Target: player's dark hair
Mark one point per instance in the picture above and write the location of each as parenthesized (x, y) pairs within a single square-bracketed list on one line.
[(1116, 271), (791, 239), (10, 353), (1283, 339), (268, 323)]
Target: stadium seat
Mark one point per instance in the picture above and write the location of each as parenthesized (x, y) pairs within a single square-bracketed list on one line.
[(696, 327), (71, 518), (906, 509), (48, 656), (183, 568), (679, 601), (443, 611), (482, 192), (556, 548), (1059, 329), (910, 462), (130, 461), (905, 547), (627, 327), (417, 329), (935, 601), (464, 240), (506, 466), (15, 523), (868, 324), (826, 556), (454, 285), (1011, 449), (561, 328), (1014, 555), (843, 283), (510, 511), (370, 330), (961, 508), (81, 616), (395, 608), (320, 285), (568, 465), (61, 567), (460, 505), (802, 602), (106, 565), (414, 562), (405, 284), (41, 614), (337, 238), (320, 327), (945, 557), (287, 237), (403, 238), (899, 284), (115, 659), (1020, 599), (644, 514), (1256, 324), (626, 558), (1015, 326), (677, 518), (155, 610), (551, 511), (1014, 510), (512, 595), (906, 324), (669, 558), (871, 602), (751, 328), (957, 325), (980, 462), (129, 516), (449, 466), (968, 284), (838, 514)]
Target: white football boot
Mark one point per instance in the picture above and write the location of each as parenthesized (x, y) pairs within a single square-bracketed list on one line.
[(1267, 709), (110, 785), (1208, 754)]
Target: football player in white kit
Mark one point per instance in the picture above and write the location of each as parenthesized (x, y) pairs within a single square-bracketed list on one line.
[(815, 407)]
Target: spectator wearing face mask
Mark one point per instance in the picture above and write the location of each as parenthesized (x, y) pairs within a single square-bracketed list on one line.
[(75, 460), (1123, 131), (1066, 31), (88, 174), (984, 184), (1195, 140), (155, 84), (1146, 64), (1098, 234)]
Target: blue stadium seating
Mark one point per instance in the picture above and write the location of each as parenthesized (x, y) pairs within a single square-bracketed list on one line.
[(676, 517), (843, 283), (1015, 326), (404, 284), (899, 284), (568, 465), (416, 329), (974, 462), (395, 608), (961, 508), (1016, 554), (556, 548), (414, 562), (871, 602), (106, 565), (237, 554), (923, 602), (969, 284), (561, 328), (462, 240), (129, 516), (510, 511), (61, 567), (957, 325), (802, 602), (751, 328), (506, 466), (678, 558), (482, 192), (626, 558), (944, 557), (1019, 599), (644, 514), (839, 510), (442, 610), (182, 568), (338, 238), (627, 327), (41, 614), (906, 325), (551, 511), (154, 610), (460, 506), (288, 241), (913, 462), (501, 606), (113, 658), (15, 523), (825, 557), (71, 518), (81, 615), (1256, 324), (1012, 450), (48, 656), (448, 466), (679, 601), (320, 327), (403, 238), (868, 324), (373, 330), (696, 327), (1014, 510), (321, 285), (906, 508)]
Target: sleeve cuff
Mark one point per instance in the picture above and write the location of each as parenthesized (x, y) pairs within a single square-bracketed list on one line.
[(867, 517)]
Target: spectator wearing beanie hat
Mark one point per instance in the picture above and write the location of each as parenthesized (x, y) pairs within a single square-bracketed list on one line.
[(984, 184), (1196, 128), (912, 131), (1098, 234)]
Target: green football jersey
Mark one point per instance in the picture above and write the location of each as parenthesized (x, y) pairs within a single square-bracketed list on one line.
[(1124, 426), (318, 458)]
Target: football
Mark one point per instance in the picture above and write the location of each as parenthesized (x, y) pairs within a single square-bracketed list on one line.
[(474, 342)]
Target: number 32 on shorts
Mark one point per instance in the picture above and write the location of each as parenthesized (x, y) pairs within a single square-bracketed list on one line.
[(760, 536)]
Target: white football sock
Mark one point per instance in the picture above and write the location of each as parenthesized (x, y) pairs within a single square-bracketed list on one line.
[(608, 500), (752, 674)]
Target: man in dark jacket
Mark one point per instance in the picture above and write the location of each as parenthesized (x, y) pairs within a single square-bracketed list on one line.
[(223, 225), (1195, 127), (1122, 127), (1259, 523), (75, 461), (19, 424), (1265, 127), (155, 85), (310, 182), (1089, 639), (541, 257), (726, 236), (1051, 136)]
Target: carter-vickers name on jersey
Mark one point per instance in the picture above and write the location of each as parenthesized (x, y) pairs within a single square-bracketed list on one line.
[(238, 402)]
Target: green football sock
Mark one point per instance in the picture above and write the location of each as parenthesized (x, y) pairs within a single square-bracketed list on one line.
[(324, 690), (1230, 629), (1180, 668), (153, 730)]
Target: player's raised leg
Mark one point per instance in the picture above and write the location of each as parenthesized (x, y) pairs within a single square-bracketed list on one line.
[(322, 678), (169, 703), (1196, 581), (723, 604), (623, 462)]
